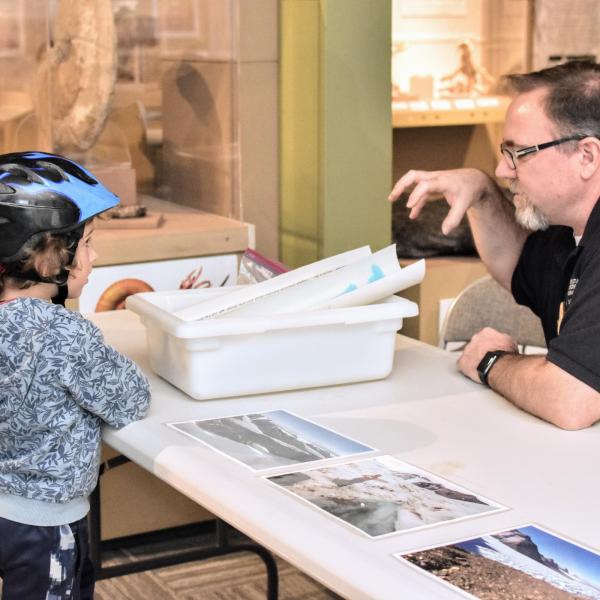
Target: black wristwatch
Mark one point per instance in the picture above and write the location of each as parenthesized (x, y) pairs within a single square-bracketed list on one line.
[(486, 364)]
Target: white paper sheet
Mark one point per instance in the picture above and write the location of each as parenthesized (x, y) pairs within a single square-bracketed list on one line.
[(323, 289), (223, 304), (350, 279), (382, 288)]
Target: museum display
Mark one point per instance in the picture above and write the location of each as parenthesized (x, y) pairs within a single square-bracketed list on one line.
[(107, 83)]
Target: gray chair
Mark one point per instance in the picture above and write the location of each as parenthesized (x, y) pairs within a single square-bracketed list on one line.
[(485, 303)]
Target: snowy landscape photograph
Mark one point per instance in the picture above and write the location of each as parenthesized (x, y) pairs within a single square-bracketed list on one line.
[(526, 562), (383, 496), (271, 439)]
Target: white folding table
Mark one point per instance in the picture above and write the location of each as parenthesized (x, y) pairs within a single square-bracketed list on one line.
[(425, 413)]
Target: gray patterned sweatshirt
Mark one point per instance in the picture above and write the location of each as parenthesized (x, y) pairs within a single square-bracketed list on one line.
[(59, 382)]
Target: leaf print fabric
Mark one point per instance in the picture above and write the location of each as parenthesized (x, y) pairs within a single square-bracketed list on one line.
[(59, 382)]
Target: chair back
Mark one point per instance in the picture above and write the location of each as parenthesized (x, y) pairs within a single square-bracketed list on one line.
[(485, 303)]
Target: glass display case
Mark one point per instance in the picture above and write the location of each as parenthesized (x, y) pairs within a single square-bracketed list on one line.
[(143, 92)]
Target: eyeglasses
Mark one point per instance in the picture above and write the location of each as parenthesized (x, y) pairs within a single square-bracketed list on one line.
[(511, 156)]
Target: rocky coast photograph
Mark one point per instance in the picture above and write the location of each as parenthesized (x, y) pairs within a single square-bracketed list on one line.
[(383, 496), (524, 563)]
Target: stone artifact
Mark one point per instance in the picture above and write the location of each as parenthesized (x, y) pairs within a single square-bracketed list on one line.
[(77, 74), (423, 237)]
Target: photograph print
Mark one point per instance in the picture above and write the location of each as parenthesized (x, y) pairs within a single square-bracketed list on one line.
[(270, 439), (526, 562), (383, 496)]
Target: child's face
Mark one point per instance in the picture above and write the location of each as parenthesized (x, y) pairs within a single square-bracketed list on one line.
[(85, 255)]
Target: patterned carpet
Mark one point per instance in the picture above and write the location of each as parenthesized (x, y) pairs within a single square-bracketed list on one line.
[(234, 578), (237, 577)]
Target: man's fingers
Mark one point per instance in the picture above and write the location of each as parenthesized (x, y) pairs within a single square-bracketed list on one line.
[(428, 189), (402, 183), (453, 218), (407, 180), (418, 198)]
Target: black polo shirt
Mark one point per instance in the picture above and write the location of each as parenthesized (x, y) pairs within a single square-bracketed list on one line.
[(552, 271)]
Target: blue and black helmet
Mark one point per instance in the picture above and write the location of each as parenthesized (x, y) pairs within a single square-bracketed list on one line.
[(45, 193)]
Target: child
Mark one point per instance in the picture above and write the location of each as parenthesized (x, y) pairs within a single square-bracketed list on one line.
[(59, 381)]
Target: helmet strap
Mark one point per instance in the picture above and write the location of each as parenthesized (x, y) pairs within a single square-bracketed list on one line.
[(61, 295)]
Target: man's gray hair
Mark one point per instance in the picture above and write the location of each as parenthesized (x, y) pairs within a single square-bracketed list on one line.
[(573, 100)]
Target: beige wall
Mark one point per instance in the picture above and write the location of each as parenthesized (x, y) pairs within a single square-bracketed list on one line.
[(221, 134), (259, 120)]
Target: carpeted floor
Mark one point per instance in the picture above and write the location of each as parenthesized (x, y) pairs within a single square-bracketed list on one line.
[(237, 577), (234, 578)]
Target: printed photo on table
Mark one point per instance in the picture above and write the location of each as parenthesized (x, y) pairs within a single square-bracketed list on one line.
[(384, 496), (270, 439), (524, 562)]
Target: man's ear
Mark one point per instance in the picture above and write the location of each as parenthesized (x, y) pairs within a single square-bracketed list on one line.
[(589, 149)]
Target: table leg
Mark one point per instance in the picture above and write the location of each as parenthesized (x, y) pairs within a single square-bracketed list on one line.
[(222, 546)]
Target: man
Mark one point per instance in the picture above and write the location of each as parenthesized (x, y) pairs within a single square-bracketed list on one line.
[(551, 159)]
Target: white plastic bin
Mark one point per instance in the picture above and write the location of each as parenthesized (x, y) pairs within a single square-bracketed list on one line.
[(224, 357)]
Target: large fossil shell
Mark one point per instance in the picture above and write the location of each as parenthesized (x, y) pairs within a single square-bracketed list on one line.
[(76, 79)]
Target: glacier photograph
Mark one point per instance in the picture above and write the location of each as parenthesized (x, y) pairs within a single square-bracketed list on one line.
[(384, 496), (526, 562), (270, 439)]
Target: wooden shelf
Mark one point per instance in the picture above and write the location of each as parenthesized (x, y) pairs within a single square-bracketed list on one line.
[(185, 232), (455, 111)]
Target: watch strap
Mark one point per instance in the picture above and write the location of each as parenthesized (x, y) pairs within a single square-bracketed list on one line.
[(487, 362)]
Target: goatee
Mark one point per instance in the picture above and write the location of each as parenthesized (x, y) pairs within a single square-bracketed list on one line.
[(527, 215)]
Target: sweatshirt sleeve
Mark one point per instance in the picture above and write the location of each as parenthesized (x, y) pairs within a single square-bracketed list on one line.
[(103, 381)]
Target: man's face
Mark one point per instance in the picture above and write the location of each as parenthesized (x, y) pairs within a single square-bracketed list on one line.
[(542, 180)]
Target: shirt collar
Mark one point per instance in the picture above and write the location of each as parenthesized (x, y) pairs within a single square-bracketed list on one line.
[(591, 233)]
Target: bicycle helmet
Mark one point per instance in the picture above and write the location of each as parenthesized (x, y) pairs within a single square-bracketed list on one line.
[(44, 193)]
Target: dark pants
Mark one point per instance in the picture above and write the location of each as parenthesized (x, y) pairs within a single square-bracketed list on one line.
[(45, 563)]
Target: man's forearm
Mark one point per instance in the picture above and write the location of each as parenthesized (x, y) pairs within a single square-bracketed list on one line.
[(541, 388), (498, 237)]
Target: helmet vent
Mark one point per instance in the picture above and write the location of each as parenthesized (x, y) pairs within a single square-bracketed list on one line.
[(55, 168), (6, 189), (30, 174)]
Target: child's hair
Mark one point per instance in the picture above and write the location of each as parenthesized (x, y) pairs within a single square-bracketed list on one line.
[(46, 254)]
